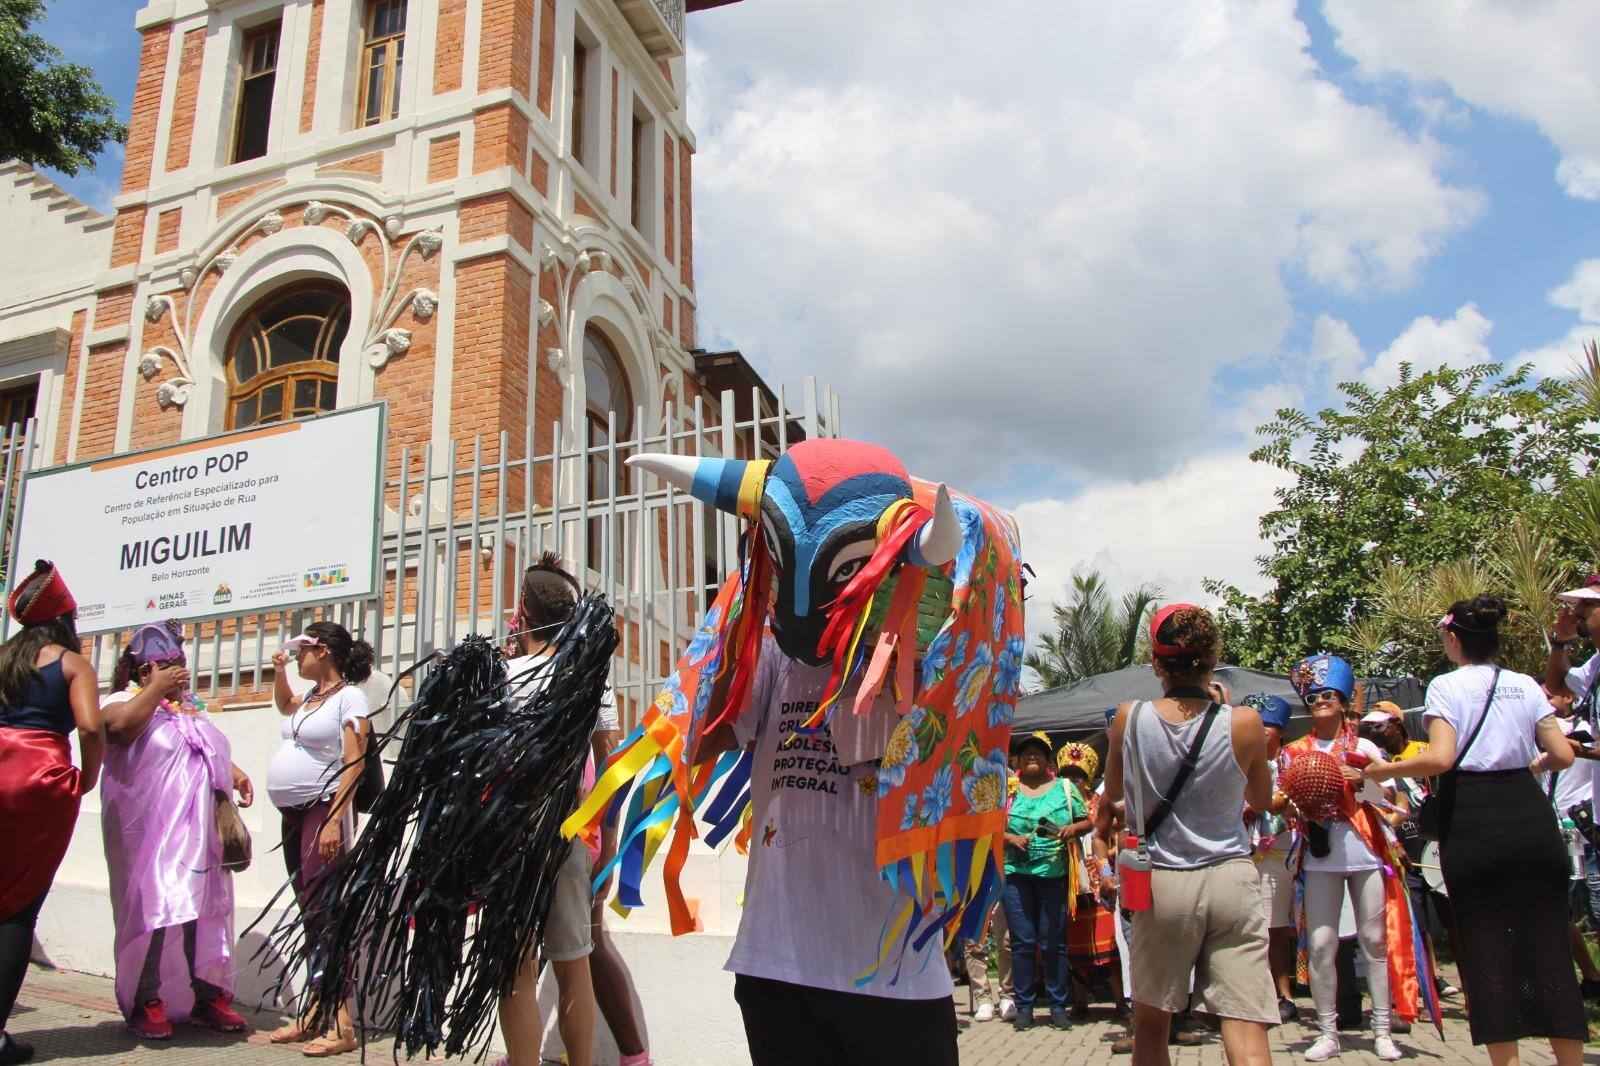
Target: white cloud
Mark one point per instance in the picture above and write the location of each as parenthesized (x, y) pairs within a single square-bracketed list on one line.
[(1335, 352), (1533, 61), (1017, 238), (1198, 521), (1579, 293), (1428, 344)]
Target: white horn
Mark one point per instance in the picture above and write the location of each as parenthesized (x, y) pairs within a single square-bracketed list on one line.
[(676, 470), (939, 541)]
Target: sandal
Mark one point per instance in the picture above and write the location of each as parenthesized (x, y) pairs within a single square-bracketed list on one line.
[(292, 1033), (324, 1046)]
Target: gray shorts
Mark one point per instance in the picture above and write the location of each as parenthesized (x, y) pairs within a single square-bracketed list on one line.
[(566, 931), (1210, 925)]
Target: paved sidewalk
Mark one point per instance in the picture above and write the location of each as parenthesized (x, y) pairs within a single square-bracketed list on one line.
[(996, 1043), (72, 1017)]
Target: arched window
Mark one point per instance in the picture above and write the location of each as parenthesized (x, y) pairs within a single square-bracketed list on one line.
[(606, 390), (283, 360)]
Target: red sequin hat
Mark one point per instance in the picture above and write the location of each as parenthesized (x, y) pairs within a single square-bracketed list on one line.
[(41, 596)]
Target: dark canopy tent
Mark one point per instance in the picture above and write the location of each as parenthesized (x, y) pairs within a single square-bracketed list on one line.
[(1078, 710)]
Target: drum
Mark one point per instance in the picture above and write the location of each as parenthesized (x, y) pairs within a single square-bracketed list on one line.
[(1432, 875)]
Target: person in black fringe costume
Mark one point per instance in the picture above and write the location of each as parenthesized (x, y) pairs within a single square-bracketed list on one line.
[(446, 893), (589, 971), (1501, 851)]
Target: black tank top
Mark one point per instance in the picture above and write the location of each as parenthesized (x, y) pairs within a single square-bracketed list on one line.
[(45, 706)]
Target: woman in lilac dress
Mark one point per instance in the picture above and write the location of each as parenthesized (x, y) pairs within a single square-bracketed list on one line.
[(167, 765)]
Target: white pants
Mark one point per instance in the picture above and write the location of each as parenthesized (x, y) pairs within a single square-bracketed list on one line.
[(1324, 899)]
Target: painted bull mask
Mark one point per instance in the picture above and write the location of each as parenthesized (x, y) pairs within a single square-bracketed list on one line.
[(822, 509), (889, 580)]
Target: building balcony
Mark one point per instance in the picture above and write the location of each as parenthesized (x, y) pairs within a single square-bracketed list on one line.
[(659, 24)]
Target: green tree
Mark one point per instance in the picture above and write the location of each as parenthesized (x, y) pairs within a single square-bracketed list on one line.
[(1092, 634), (52, 113), (1433, 472)]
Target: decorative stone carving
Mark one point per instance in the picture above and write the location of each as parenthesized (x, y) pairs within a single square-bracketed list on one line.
[(383, 337), (391, 342), (586, 260)]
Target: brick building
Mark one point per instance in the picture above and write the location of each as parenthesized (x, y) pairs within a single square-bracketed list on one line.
[(479, 211)]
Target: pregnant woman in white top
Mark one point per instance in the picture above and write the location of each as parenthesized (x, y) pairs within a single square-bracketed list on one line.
[(312, 778)]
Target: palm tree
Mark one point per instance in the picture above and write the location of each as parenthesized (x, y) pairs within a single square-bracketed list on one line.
[(1092, 635)]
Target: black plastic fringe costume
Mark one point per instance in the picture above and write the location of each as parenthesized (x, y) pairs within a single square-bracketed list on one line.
[(449, 884)]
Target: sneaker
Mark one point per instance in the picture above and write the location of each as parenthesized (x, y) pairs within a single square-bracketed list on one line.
[(1059, 1018), (1123, 1045), (1448, 989), (149, 1020), (1384, 1047), (1008, 1011), (13, 1051), (1024, 1021), (1078, 1012), (218, 1013), (1287, 1011), (984, 1013), (1325, 1048)]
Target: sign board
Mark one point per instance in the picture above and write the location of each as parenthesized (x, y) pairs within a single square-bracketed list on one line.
[(277, 517)]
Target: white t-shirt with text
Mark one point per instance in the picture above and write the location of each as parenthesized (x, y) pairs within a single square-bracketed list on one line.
[(307, 764), (1506, 741), (815, 907)]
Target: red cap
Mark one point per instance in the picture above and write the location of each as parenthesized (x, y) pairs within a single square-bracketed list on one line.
[(1158, 648), (41, 596)]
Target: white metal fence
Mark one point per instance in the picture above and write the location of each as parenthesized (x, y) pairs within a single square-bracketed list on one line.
[(464, 520)]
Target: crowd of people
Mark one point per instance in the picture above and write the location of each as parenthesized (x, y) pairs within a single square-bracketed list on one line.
[(1216, 867), (1261, 865), (170, 795)]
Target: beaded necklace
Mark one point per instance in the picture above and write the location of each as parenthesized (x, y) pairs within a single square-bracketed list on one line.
[(188, 702)]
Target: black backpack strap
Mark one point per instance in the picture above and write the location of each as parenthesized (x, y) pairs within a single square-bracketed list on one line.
[(1164, 808)]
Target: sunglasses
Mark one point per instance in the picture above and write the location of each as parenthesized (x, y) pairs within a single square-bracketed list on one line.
[(1327, 695)]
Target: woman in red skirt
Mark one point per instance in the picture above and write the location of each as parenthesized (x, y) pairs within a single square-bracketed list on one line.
[(47, 691)]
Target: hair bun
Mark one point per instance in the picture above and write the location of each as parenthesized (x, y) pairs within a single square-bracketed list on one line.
[(1487, 611)]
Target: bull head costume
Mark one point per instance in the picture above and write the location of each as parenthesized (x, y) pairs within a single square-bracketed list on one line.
[(867, 570)]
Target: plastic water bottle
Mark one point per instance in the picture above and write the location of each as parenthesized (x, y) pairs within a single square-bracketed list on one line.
[(1574, 847)]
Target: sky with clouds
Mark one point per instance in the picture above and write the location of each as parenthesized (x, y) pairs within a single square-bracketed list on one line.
[(1067, 255)]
